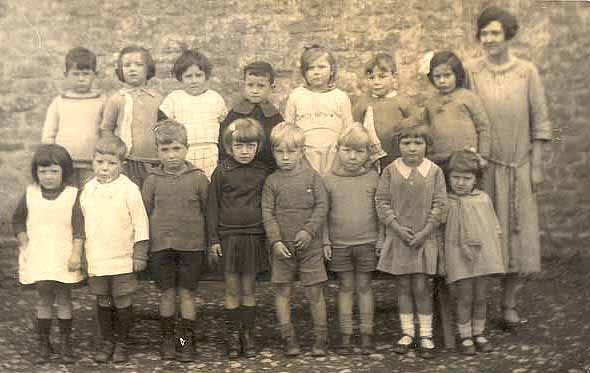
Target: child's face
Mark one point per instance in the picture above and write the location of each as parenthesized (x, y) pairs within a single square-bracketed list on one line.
[(194, 80), (493, 39), (318, 73), (244, 152), (444, 78), (172, 155), (80, 80), (381, 82), (107, 167), (352, 159), (413, 150), (462, 183), (287, 158), (50, 177), (257, 88), (134, 69)]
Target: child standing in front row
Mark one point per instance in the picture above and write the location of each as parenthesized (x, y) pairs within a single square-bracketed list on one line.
[(236, 231), (175, 197), (199, 108), (456, 115), (472, 249), (352, 233), (132, 112), (384, 111), (117, 233), (74, 117), (294, 208), (410, 200), (49, 225), (320, 109), (259, 81)]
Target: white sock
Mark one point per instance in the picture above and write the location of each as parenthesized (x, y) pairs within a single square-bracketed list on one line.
[(465, 330), (425, 325), (479, 326), (407, 320)]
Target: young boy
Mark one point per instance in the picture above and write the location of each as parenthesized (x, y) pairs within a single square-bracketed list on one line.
[(117, 233), (383, 111), (74, 116), (259, 81), (294, 207), (352, 232), (175, 196)]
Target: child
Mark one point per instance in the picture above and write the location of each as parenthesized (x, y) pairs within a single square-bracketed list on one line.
[(198, 107), (410, 200), (259, 81), (131, 112), (353, 230), (456, 115), (294, 207), (388, 109), (49, 226), (117, 233), (236, 231), (74, 116), (472, 247), (175, 197), (320, 109)]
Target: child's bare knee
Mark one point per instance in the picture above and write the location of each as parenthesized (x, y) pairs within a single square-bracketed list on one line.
[(314, 293)]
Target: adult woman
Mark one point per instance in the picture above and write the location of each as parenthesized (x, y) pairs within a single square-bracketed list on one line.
[(513, 96)]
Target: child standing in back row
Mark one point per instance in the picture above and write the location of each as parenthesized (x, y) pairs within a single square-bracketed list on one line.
[(74, 117), (199, 108), (319, 108), (411, 199), (384, 110)]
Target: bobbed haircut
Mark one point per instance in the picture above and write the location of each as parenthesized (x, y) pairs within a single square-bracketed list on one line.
[(354, 136), (464, 161), (451, 59), (415, 130), (288, 134), (188, 58), (111, 145), (260, 68), (381, 61), (310, 54), (80, 58), (494, 13), (49, 155), (169, 131), (147, 59), (242, 130)]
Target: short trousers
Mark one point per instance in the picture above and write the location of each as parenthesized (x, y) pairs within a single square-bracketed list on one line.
[(358, 258), (307, 263), (245, 253), (113, 285), (176, 269)]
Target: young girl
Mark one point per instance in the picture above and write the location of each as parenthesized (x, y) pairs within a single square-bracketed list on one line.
[(320, 109), (199, 108), (132, 112), (236, 232), (410, 201), (456, 115), (472, 248), (49, 225)]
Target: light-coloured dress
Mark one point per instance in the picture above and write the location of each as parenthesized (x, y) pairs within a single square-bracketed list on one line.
[(323, 116), (514, 99), (413, 197), (472, 238)]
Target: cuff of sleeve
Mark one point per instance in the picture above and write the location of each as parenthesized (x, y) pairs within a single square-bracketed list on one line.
[(542, 135), (309, 230)]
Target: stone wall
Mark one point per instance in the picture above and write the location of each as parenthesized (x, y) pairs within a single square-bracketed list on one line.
[(36, 34)]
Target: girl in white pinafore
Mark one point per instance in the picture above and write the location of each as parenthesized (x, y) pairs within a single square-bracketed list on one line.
[(49, 225)]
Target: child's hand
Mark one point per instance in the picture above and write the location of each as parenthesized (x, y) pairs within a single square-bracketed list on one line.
[(23, 241), (418, 239), (328, 252), (406, 233), (279, 248), (74, 263), (536, 177), (139, 265), (302, 239), (214, 254)]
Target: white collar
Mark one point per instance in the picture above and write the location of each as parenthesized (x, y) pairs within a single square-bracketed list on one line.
[(391, 94), (405, 170)]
